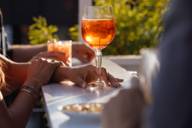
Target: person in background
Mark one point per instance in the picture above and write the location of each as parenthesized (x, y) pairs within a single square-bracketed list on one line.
[(171, 105), (172, 90)]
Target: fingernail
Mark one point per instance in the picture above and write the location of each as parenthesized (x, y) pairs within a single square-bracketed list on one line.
[(83, 85)]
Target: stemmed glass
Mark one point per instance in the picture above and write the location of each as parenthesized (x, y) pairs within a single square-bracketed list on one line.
[(98, 30)]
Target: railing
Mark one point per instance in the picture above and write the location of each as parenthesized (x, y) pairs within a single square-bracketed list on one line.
[(129, 62)]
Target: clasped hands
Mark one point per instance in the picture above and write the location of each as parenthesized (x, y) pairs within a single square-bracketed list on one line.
[(43, 70)]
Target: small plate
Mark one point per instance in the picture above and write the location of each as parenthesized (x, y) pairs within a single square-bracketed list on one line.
[(83, 115), (84, 111)]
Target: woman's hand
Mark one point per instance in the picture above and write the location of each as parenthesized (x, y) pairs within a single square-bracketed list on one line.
[(40, 72), (82, 76), (82, 52)]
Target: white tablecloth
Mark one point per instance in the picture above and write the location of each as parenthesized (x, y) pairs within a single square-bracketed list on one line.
[(56, 95)]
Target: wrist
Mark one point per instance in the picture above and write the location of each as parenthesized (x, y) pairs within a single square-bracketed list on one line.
[(60, 74), (30, 90), (36, 84)]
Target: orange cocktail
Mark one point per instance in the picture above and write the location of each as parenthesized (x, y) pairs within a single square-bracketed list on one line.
[(98, 30), (98, 33)]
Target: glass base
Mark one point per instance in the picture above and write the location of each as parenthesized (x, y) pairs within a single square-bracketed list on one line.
[(97, 85)]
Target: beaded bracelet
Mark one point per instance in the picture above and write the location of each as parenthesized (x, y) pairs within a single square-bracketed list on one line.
[(30, 90)]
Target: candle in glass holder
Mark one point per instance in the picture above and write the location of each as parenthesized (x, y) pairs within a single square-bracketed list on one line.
[(64, 47)]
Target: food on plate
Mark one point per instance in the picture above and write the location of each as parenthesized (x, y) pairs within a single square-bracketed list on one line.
[(83, 107)]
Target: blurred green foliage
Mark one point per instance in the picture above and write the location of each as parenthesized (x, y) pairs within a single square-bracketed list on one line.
[(74, 33), (40, 32), (139, 24)]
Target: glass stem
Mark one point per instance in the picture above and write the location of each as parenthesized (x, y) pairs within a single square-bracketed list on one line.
[(98, 61)]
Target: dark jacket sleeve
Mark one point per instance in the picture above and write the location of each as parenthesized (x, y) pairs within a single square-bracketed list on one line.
[(172, 89)]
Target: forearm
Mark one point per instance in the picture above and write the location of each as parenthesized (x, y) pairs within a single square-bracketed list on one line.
[(18, 113), (21, 109), (60, 74), (23, 53), (15, 74)]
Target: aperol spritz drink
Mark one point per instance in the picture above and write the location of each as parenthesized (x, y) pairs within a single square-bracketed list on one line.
[(98, 30), (98, 33)]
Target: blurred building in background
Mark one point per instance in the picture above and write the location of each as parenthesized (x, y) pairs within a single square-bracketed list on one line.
[(18, 16)]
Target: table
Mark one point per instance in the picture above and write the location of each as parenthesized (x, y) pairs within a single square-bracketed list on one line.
[(55, 96)]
